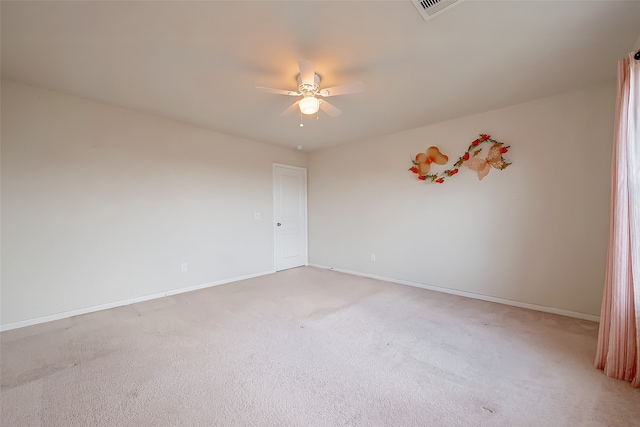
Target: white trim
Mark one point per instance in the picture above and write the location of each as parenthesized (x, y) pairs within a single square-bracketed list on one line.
[(535, 307), (306, 213), (66, 314), (282, 165)]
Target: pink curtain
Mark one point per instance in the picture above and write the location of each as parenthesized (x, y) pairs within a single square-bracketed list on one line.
[(619, 337)]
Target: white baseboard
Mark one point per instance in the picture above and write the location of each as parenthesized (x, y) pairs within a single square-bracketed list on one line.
[(66, 314), (536, 307)]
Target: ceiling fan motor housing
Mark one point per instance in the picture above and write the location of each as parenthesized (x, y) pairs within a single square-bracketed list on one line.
[(307, 88)]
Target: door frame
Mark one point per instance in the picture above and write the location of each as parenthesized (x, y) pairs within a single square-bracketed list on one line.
[(275, 219)]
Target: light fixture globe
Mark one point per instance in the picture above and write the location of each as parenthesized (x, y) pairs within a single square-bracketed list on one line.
[(309, 105)]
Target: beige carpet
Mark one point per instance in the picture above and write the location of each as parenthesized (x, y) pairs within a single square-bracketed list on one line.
[(310, 347)]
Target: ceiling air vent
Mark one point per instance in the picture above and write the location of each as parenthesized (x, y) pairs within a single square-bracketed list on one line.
[(430, 8)]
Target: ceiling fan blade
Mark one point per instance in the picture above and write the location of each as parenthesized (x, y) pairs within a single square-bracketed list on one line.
[(293, 107), (329, 109), (307, 72), (354, 87), (278, 91)]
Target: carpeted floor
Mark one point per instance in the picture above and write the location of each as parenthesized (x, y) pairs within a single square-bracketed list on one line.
[(310, 347)]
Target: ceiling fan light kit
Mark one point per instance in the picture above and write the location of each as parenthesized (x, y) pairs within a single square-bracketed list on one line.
[(309, 104), (309, 89)]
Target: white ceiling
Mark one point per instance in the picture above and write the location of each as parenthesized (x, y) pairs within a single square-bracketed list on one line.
[(199, 62)]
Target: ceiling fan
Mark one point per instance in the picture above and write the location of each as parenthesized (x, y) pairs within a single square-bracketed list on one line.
[(309, 89)]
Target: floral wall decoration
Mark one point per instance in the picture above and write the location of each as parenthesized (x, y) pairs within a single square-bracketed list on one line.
[(470, 158)]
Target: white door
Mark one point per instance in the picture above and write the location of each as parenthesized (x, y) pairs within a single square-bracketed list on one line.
[(290, 205)]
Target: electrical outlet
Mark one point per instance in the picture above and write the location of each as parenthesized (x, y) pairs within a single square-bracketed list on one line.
[(183, 267), (257, 215), (373, 257)]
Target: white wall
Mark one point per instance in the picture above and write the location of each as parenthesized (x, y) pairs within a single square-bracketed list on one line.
[(534, 233), (101, 204)]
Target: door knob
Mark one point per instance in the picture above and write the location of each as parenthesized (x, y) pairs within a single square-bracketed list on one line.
[(279, 224)]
